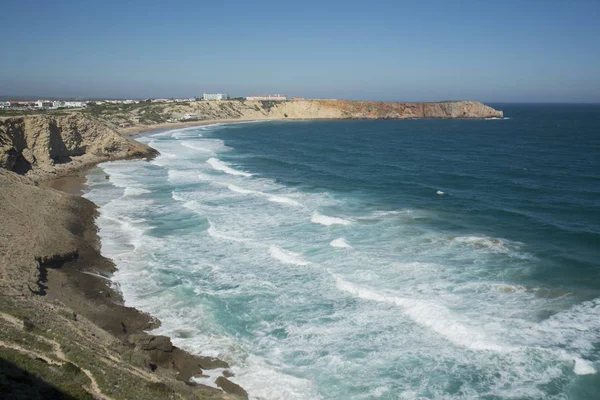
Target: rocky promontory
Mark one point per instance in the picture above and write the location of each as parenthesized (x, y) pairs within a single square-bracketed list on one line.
[(64, 331), (46, 146), (144, 115)]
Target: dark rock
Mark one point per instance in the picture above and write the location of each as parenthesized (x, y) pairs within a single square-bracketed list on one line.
[(189, 365), (153, 367), (228, 374), (230, 387), (123, 328), (150, 342), (28, 325)]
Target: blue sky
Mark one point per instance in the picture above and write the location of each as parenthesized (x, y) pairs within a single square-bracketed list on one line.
[(494, 51)]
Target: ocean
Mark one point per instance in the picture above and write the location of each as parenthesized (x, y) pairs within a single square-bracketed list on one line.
[(415, 259)]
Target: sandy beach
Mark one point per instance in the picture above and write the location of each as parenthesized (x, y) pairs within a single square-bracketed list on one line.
[(136, 130)]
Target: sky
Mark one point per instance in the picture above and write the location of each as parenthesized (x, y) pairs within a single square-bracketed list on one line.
[(491, 51)]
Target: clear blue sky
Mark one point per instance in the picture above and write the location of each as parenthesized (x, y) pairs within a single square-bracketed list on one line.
[(491, 51)]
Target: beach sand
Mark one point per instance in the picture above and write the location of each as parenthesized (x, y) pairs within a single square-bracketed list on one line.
[(136, 130), (74, 185)]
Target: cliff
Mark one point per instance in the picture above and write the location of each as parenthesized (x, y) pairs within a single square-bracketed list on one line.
[(64, 332), (152, 114), (47, 146)]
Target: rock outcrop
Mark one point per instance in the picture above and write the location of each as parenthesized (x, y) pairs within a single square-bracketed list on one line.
[(60, 320), (331, 109), (139, 116), (48, 146)]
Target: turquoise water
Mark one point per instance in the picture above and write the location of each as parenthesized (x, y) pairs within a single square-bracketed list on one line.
[(320, 261)]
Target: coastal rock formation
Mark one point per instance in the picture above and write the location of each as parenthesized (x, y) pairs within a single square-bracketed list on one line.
[(332, 109), (62, 325), (46, 146), (145, 115)]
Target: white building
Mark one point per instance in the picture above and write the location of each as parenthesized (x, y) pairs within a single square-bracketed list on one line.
[(73, 104), (190, 116), (44, 104), (276, 97), (215, 96), (4, 104)]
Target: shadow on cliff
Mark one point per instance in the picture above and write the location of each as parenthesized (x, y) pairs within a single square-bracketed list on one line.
[(59, 151), (18, 384)]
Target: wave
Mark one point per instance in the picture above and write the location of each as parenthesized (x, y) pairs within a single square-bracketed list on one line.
[(271, 198), (444, 322), (131, 230), (283, 200), (182, 177), (431, 315), (482, 242), (192, 145), (239, 190), (135, 191), (494, 245), (328, 221), (286, 257), (219, 165), (212, 231), (340, 243)]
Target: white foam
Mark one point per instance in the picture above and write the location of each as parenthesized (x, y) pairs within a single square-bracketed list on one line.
[(219, 165), (196, 146), (182, 132), (239, 190), (483, 242), (212, 231), (431, 315), (340, 243), (583, 367), (271, 198), (182, 176), (286, 257), (253, 377), (209, 377), (135, 191), (284, 200), (328, 221)]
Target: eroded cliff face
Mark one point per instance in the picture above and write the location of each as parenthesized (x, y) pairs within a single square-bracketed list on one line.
[(331, 109), (47, 146), (62, 323)]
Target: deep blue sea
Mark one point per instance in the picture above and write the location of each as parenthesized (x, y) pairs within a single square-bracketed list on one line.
[(417, 259)]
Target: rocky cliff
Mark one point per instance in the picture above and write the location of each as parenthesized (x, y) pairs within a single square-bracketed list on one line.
[(152, 114), (47, 146), (331, 109), (64, 332)]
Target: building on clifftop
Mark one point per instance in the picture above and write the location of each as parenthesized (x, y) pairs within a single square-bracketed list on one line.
[(276, 97), (215, 96)]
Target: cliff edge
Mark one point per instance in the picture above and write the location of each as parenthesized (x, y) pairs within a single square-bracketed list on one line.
[(48, 146), (145, 115), (64, 331)]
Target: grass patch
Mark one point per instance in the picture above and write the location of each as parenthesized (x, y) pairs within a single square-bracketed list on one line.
[(23, 377)]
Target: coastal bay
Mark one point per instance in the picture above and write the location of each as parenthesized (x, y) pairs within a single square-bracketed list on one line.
[(306, 253), (56, 282)]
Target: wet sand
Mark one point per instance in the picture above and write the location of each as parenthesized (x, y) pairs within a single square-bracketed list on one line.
[(75, 185), (136, 130)]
